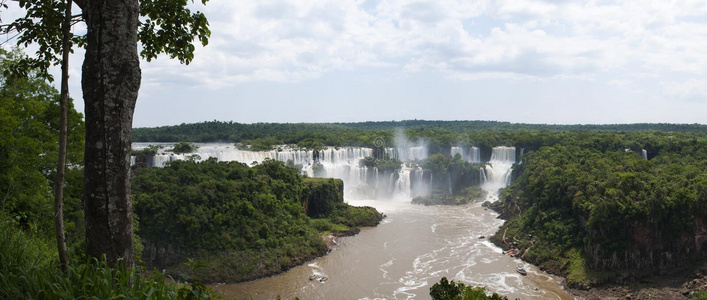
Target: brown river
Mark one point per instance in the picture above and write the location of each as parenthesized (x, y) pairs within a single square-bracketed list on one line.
[(412, 249)]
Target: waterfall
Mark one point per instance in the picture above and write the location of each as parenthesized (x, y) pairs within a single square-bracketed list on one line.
[(474, 155), (343, 163), (159, 160), (456, 150), (449, 179), (407, 154), (499, 171), (403, 184), (471, 155), (644, 154), (419, 186)]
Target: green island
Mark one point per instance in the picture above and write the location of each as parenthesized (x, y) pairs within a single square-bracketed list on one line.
[(237, 222), (468, 195)]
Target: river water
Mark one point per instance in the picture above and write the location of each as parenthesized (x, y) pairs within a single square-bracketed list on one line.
[(412, 249)]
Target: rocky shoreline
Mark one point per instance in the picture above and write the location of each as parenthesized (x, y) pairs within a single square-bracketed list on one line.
[(330, 239), (679, 286)]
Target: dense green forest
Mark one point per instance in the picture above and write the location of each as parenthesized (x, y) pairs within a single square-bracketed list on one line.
[(595, 213), (446, 290), (583, 203), (477, 133), (238, 222), (29, 263)]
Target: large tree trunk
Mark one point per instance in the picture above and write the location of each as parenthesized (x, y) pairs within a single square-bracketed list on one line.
[(110, 82), (61, 163)]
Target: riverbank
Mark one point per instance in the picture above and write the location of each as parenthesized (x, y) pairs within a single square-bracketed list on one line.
[(330, 237), (584, 283), (684, 285)]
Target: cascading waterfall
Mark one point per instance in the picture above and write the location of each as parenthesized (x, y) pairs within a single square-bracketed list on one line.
[(419, 187), (644, 154), (456, 150), (343, 163), (449, 179), (403, 184), (482, 175), (472, 154), (407, 154), (498, 171)]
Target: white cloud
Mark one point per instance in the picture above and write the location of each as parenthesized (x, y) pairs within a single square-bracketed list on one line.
[(292, 41), (300, 40), (642, 46), (619, 82), (691, 89)]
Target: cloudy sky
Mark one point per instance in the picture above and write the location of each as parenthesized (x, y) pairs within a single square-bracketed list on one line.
[(532, 61)]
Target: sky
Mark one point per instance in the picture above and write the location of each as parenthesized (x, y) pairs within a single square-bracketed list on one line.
[(523, 61)]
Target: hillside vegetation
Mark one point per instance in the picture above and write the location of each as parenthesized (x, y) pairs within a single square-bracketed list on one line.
[(597, 214), (228, 222)]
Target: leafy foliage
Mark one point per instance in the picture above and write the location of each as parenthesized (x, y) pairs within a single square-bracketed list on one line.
[(181, 147), (445, 290), (28, 150), (240, 222), (41, 25), (590, 207), (28, 270), (470, 194), (167, 26), (439, 134)]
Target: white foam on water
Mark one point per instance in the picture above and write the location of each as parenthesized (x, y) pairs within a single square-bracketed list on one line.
[(384, 267)]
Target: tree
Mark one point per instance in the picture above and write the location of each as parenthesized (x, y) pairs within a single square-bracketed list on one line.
[(110, 81), (184, 147), (29, 109), (63, 131), (445, 290)]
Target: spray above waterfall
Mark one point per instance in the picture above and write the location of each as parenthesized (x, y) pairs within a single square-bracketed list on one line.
[(405, 150)]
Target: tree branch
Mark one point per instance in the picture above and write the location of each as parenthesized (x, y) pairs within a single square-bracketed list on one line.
[(80, 3)]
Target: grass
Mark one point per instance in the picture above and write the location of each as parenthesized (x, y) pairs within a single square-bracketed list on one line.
[(29, 270)]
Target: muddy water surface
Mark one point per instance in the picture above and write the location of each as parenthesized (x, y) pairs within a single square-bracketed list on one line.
[(413, 248)]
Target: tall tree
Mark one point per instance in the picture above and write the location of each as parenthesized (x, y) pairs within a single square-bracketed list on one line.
[(110, 82), (63, 131)]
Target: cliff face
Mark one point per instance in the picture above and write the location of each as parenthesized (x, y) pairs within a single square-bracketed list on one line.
[(321, 195), (651, 247), (160, 255)]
